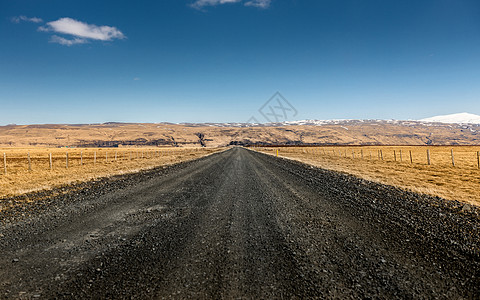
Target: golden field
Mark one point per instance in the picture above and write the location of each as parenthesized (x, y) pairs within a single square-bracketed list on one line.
[(83, 164), (460, 182)]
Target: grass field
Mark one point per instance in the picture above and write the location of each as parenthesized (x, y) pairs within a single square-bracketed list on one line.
[(83, 164), (392, 165)]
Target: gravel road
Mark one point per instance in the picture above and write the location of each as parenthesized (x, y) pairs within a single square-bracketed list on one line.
[(238, 224)]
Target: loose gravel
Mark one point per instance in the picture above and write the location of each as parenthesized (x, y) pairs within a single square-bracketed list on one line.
[(238, 224)]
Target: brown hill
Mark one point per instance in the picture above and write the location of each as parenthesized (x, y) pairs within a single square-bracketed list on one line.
[(212, 135)]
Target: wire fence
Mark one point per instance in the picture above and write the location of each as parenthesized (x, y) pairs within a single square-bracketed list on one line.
[(19, 161), (457, 156)]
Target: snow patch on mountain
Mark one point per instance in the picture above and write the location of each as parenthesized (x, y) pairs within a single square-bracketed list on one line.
[(460, 118)]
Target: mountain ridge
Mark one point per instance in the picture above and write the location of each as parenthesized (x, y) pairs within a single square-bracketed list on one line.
[(457, 118), (334, 132)]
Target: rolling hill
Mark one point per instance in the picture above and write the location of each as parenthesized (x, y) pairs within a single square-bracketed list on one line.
[(332, 132)]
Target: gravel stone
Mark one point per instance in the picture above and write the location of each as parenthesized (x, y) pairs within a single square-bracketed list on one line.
[(238, 224)]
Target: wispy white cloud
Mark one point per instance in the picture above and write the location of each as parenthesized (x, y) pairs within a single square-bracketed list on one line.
[(67, 42), (26, 19), (200, 4), (136, 78), (81, 30), (259, 3)]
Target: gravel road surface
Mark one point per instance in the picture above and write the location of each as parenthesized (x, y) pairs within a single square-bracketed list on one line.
[(238, 224)]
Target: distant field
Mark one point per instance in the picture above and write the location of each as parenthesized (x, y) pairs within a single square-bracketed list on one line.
[(386, 164), (460, 182), (83, 164)]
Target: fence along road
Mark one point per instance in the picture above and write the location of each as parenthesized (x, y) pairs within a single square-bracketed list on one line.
[(241, 224)]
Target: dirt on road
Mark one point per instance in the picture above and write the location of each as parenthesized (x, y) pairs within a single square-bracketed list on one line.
[(239, 224)]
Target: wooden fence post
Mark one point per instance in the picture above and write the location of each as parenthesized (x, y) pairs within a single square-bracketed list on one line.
[(353, 153), (411, 158), (115, 155), (94, 157), (5, 163), (394, 155), (50, 161), (361, 153), (29, 162), (67, 159), (401, 159), (81, 158), (478, 161), (381, 154), (106, 156), (453, 159), (428, 156)]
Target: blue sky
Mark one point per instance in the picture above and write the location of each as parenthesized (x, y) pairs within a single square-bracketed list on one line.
[(220, 60)]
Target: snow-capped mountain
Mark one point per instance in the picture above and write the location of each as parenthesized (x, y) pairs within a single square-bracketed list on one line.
[(461, 118)]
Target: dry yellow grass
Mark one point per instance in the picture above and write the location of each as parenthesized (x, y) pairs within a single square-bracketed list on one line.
[(440, 178), (83, 164)]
